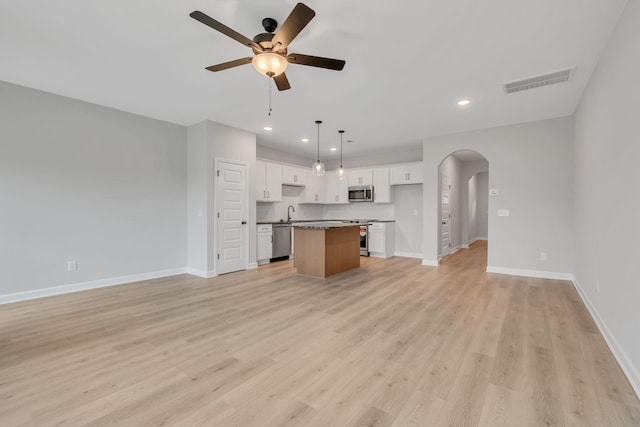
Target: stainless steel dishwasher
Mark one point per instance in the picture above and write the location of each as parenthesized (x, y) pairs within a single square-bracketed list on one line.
[(281, 240)]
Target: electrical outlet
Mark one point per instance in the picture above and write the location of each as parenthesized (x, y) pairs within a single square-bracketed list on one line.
[(72, 265), (543, 256), (598, 286)]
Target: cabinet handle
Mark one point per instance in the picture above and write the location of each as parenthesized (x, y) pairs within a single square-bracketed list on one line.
[(409, 176), (316, 197), (295, 178), (268, 196)]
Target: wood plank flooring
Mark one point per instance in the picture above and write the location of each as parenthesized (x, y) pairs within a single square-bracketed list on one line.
[(393, 343)]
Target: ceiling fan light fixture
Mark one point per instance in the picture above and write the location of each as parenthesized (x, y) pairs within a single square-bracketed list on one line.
[(270, 64)]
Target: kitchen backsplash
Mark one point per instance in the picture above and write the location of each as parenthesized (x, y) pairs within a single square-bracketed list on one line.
[(291, 195)]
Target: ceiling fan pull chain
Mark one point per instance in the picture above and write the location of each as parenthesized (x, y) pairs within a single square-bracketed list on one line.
[(270, 90)]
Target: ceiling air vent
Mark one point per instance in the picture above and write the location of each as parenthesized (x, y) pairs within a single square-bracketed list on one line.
[(539, 81)]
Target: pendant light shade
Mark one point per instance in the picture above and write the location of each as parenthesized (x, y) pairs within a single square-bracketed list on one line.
[(318, 167), (340, 171)]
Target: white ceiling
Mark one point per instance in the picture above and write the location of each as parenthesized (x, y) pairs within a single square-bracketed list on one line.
[(407, 63)]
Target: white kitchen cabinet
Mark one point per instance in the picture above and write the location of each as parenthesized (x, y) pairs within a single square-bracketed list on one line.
[(265, 240), (268, 182), (360, 177), (294, 176), (381, 239), (409, 173), (314, 190), (337, 190), (381, 188)]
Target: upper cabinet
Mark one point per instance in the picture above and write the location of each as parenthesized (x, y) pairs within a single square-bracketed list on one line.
[(292, 175), (337, 190), (314, 190), (409, 173), (268, 182), (381, 188), (360, 177)]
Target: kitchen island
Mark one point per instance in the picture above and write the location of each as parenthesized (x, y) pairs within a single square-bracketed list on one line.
[(326, 248)]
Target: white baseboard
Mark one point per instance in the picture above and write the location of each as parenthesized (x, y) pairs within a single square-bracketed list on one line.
[(466, 246), (430, 262), (530, 273), (481, 238), (378, 255), (625, 363), (82, 286), (252, 265), (201, 273), (408, 254)]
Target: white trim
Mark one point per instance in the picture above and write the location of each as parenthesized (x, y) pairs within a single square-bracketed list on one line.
[(466, 246), (430, 263), (252, 265), (83, 286), (621, 357), (481, 238), (201, 273), (408, 254), (530, 273)]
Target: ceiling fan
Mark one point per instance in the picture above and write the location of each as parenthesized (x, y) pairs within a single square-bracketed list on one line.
[(269, 49)]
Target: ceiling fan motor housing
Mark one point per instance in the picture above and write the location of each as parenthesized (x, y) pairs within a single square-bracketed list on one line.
[(269, 25)]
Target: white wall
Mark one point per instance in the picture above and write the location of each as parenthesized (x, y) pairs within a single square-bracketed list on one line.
[(208, 141), (607, 193), (470, 168), (532, 165), (87, 183)]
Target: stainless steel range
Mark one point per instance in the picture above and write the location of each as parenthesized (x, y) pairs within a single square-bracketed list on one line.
[(364, 234)]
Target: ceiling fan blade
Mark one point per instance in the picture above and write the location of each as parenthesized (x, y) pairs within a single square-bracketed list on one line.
[(230, 64), (299, 17), (218, 26), (282, 82), (316, 61)]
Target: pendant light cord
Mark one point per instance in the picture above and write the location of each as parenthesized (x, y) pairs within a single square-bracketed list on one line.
[(341, 149), (318, 122)]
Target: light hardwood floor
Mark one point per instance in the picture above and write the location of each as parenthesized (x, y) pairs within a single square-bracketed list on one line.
[(390, 344)]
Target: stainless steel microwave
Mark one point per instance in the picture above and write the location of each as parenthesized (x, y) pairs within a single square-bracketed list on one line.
[(361, 193)]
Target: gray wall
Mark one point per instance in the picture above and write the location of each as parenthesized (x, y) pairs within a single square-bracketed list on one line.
[(607, 201), (532, 165), (408, 215), (86, 183)]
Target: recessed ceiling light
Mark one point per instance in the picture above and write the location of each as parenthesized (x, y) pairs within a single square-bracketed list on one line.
[(268, 128), (464, 102), (333, 148), (305, 139)]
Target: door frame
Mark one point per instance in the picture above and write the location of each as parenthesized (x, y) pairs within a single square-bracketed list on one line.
[(216, 198)]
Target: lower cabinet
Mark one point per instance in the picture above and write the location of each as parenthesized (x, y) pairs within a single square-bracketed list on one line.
[(381, 239), (265, 240)]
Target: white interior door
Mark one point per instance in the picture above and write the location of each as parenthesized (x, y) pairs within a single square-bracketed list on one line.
[(232, 213), (445, 216)]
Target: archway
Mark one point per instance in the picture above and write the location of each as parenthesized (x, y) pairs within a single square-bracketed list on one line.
[(462, 201)]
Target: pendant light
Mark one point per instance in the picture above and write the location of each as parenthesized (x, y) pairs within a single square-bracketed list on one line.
[(340, 170), (318, 166)]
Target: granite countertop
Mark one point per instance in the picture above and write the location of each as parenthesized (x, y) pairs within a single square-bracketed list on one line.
[(297, 221), (324, 225)]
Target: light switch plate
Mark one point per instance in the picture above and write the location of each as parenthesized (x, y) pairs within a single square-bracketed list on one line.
[(503, 212)]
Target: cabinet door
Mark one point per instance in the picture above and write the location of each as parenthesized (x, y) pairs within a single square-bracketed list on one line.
[(360, 177), (261, 174), (314, 190), (294, 176), (414, 174), (264, 246), (398, 175), (376, 238), (274, 182), (381, 189), (336, 190)]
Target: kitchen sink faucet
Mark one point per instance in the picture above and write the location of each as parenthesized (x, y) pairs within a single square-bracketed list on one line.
[(289, 212)]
